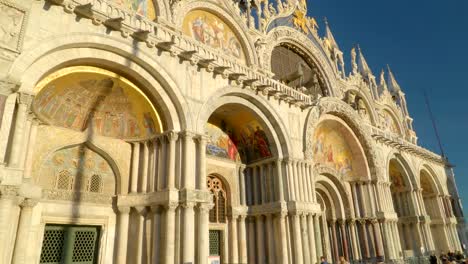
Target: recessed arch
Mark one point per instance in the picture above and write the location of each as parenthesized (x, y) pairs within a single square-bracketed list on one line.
[(287, 36), (85, 97), (260, 108), (336, 146), (224, 15), (367, 99), (100, 51)]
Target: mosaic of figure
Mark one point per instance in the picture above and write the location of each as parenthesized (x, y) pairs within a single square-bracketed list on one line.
[(143, 8), (212, 31), (104, 105), (396, 177), (331, 149), (249, 143), (389, 123), (80, 164)]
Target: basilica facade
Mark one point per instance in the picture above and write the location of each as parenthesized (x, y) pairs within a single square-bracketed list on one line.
[(215, 131)]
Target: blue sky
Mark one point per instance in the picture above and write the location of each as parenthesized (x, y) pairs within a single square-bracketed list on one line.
[(425, 43)]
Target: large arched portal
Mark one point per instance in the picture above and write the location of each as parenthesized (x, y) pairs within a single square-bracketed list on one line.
[(348, 197), (415, 235), (96, 141), (241, 145)]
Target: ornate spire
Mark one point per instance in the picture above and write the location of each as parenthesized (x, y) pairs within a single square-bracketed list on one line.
[(329, 36), (363, 67), (391, 81)]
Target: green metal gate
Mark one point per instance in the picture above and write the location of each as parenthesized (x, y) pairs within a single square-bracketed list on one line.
[(64, 244)]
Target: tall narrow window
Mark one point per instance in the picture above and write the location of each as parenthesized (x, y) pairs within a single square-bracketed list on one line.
[(218, 212)]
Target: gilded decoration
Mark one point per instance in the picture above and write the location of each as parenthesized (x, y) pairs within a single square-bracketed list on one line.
[(238, 136), (331, 149), (144, 8), (78, 168), (396, 177), (214, 32), (83, 98)]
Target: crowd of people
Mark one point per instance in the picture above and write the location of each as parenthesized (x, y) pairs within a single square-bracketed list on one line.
[(449, 258)]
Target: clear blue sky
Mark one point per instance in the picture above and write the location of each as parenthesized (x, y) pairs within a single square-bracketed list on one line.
[(426, 44)]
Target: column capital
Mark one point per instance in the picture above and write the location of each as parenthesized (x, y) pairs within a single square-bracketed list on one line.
[(374, 221), (7, 191), (171, 135), (8, 87), (187, 134), (124, 209), (142, 210), (362, 221), (28, 203), (188, 205), (341, 222), (242, 217), (202, 139), (172, 205), (351, 222), (25, 98), (156, 209)]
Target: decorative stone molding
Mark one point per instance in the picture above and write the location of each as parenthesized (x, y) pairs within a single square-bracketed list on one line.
[(73, 196), (8, 87), (8, 191), (12, 25), (336, 107)]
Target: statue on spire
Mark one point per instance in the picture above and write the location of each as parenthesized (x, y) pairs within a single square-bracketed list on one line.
[(353, 60)]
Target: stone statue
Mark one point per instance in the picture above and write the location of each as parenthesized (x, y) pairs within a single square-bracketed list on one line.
[(353, 60), (350, 99), (361, 107)]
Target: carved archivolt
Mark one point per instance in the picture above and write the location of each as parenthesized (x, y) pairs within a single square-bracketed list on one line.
[(336, 107), (183, 8), (288, 35)]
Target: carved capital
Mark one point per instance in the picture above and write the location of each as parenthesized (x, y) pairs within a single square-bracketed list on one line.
[(142, 210), (155, 209), (124, 209), (28, 203), (172, 205), (25, 99), (189, 205), (172, 136), (8, 87)]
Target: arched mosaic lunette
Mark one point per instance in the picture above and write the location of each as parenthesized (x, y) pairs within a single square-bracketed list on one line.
[(340, 109)]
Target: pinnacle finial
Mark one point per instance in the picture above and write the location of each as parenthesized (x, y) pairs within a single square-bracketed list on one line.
[(363, 67), (391, 81)]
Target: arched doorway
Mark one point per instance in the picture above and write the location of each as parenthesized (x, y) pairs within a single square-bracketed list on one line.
[(97, 124), (241, 145), (408, 205), (435, 210)]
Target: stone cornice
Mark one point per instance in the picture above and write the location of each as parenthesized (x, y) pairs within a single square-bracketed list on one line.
[(405, 146)]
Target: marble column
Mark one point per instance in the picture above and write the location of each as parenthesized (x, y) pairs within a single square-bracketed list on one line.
[(171, 153), (169, 236), (251, 243), (260, 240), (377, 238), (203, 232), (139, 236), (344, 238), (156, 234), (188, 235), (311, 237), (122, 242), (283, 250), (7, 200), (279, 181), (234, 252), (297, 249), (270, 239), (364, 240), (22, 248), (242, 240), (135, 164), (201, 164), (354, 240), (24, 102), (318, 237), (305, 239), (242, 185), (30, 148), (144, 170), (291, 186), (336, 253)]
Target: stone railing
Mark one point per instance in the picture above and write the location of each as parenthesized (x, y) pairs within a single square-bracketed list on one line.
[(159, 36)]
